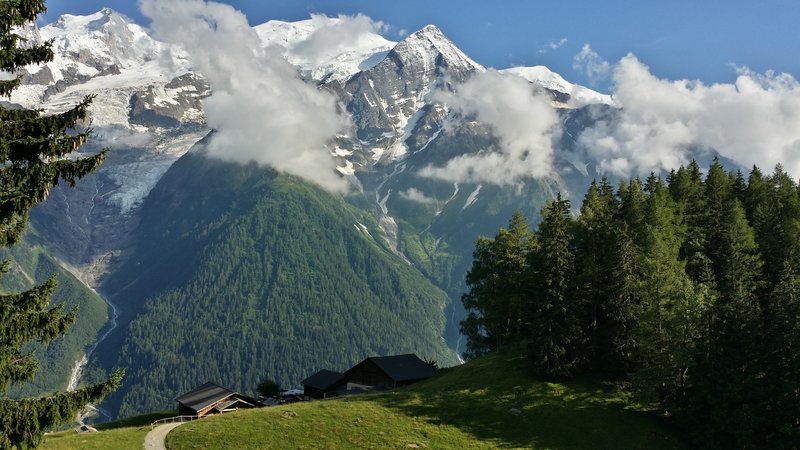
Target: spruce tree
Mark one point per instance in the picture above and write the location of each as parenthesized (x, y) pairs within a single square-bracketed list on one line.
[(596, 260), (722, 403), (779, 405), (34, 149), (686, 187), (498, 296), (556, 331), (669, 305), (786, 232)]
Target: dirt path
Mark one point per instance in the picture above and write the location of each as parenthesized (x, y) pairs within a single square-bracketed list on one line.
[(155, 439)]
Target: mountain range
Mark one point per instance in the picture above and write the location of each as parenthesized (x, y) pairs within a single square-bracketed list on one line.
[(236, 272)]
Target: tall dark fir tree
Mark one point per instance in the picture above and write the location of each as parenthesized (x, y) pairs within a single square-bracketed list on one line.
[(556, 333), (34, 149)]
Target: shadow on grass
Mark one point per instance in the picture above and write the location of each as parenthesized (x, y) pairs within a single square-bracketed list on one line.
[(136, 421), (495, 401)]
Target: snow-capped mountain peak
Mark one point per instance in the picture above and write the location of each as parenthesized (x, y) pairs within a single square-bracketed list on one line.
[(322, 48), (430, 43), (101, 40), (76, 24), (546, 78)]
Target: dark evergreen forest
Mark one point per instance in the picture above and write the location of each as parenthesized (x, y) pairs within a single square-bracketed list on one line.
[(687, 289), (32, 265), (241, 273)]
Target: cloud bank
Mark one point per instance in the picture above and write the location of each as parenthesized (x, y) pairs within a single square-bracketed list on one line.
[(338, 36), (524, 122), (415, 195), (260, 109), (755, 120), (589, 63)]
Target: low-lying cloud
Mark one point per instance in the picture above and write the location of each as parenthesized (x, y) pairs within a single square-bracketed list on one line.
[(260, 109), (755, 120), (337, 36), (415, 195), (589, 63), (523, 120)]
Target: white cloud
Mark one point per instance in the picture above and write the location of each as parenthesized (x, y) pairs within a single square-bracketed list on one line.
[(121, 137), (260, 109), (553, 45), (524, 122), (755, 120), (415, 195), (334, 37), (588, 62)]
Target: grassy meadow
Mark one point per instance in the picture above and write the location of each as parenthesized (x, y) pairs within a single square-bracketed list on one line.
[(490, 402)]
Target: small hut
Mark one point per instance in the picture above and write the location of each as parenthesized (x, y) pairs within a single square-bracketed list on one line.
[(385, 372), (323, 384), (211, 398)]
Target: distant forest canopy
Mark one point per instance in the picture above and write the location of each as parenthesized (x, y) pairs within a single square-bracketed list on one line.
[(688, 288), (248, 273)]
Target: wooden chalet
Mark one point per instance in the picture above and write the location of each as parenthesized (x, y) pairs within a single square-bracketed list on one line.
[(323, 384), (211, 398), (385, 372)]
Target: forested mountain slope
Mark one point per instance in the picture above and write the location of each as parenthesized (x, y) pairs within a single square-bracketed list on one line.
[(239, 273), (30, 265)]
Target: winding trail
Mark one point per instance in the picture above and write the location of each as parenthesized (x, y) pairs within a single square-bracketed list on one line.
[(155, 439)]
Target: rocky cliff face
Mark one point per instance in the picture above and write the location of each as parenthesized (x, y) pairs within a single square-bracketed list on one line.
[(391, 102)]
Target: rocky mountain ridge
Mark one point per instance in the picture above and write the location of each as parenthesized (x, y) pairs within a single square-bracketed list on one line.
[(149, 106), (149, 109)]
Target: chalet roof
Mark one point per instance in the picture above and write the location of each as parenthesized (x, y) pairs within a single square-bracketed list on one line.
[(323, 379), (401, 367), (204, 396), (232, 401)]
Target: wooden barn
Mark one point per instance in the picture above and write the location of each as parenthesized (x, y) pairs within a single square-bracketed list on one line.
[(211, 398), (389, 371), (323, 384)]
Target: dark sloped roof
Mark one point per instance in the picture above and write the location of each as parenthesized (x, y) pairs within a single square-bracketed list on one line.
[(232, 401), (323, 379), (204, 395), (402, 367)]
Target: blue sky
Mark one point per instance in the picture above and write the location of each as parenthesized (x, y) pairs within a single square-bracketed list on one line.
[(678, 39)]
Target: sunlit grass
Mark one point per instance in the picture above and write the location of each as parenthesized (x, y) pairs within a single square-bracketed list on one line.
[(119, 438), (126, 433), (489, 403)]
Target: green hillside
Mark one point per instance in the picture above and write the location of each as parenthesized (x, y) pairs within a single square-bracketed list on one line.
[(240, 273), (469, 406), (31, 265)]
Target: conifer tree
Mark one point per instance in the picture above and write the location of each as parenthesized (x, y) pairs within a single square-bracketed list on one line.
[(596, 260), (717, 194), (785, 232), (779, 407), (555, 327), (498, 296), (669, 306), (33, 149), (632, 199), (722, 402), (686, 187)]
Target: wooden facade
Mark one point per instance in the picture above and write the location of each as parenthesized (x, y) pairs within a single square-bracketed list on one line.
[(324, 383), (386, 372), (211, 398)]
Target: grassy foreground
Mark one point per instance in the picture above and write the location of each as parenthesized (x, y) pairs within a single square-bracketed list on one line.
[(122, 434), (465, 407), (118, 438)]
